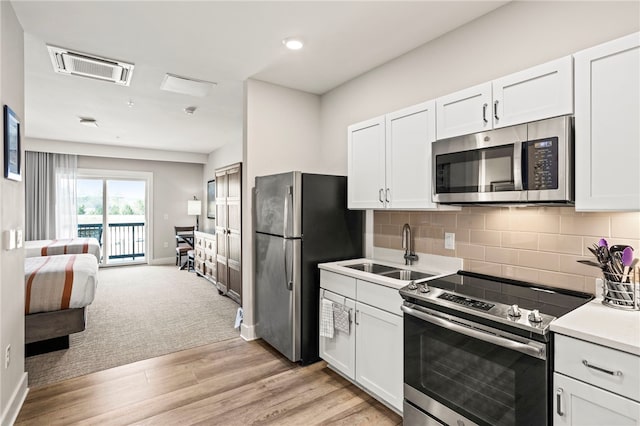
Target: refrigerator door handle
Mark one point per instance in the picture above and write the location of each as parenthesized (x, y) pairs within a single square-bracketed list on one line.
[(288, 194), (287, 282)]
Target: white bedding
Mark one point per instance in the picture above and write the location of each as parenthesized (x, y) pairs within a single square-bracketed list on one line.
[(54, 283), (65, 246)]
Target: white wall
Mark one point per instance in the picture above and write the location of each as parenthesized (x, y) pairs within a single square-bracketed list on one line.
[(173, 185), (13, 380), (511, 38), (281, 134)]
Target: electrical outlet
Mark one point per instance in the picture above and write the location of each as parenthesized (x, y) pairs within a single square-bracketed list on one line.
[(165, 244), (7, 356), (449, 240)]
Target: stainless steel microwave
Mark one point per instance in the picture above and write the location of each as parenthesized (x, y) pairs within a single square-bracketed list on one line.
[(527, 163)]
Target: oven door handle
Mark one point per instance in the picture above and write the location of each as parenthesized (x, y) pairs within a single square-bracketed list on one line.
[(536, 352)]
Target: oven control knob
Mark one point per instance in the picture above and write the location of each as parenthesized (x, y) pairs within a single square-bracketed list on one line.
[(534, 316), (514, 311), (424, 288), (412, 286)]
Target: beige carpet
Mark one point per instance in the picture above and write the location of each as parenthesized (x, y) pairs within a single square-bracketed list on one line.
[(139, 312)]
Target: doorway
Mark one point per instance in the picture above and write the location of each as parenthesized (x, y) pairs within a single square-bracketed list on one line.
[(113, 207)]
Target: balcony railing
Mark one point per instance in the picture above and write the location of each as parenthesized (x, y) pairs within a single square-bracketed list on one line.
[(126, 240)]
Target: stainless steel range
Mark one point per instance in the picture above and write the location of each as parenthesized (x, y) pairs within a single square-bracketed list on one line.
[(477, 350)]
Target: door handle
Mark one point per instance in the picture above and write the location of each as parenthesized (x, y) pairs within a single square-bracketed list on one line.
[(287, 282), (287, 194), (484, 113), (559, 409), (495, 110), (386, 195), (380, 195)]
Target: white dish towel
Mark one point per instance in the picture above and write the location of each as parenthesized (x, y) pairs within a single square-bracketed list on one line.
[(326, 319)]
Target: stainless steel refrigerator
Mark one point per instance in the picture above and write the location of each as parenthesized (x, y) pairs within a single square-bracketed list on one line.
[(301, 220)]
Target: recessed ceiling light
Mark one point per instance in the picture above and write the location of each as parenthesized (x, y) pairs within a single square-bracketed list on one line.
[(130, 104), (88, 121), (190, 110), (293, 43)]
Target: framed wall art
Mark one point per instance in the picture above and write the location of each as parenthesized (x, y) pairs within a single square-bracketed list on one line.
[(211, 199), (12, 160)]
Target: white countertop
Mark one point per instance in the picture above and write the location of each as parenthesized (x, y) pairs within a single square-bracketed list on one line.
[(436, 267), (600, 324)]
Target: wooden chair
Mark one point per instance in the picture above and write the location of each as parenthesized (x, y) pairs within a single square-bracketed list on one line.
[(184, 243)]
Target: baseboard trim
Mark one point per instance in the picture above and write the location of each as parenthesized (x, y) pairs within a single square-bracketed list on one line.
[(163, 261), (248, 332), (15, 403)]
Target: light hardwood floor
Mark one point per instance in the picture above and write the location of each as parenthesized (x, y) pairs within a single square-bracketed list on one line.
[(226, 383)]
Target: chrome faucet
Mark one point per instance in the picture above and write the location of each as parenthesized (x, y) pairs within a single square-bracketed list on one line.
[(409, 255)]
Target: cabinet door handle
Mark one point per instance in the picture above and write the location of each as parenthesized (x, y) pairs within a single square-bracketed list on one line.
[(380, 195), (484, 113), (559, 409), (357, 311), (601, 369), (495, 110), (387, 195)]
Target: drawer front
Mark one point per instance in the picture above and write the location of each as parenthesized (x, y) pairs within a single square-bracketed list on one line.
[(340, 284), (379, 296), (199, 254), (604, 367)]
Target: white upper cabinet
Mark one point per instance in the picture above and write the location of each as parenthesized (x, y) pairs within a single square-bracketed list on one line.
[(410, 133), (464, 112), (536, 93), (390, 160), (366, 164), (607, 126)]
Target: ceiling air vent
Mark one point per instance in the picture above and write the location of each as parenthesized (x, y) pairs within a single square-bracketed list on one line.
[(68, 62)]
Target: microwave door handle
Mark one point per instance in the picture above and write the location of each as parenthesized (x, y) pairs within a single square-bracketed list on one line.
[(517, 166)]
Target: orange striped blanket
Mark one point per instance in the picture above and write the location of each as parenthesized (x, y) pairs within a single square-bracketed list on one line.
[(65, 246), (54, 283)]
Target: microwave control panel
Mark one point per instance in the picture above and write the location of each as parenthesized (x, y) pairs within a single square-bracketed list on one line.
[(541, 161)]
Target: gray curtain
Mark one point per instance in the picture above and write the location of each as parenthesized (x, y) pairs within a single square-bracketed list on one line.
[(50, 204)]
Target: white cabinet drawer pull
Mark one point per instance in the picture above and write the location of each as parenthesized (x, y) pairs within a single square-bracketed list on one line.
[(559, 402), (604, 370)]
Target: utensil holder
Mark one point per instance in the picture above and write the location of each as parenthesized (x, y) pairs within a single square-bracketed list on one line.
[(621, 295)]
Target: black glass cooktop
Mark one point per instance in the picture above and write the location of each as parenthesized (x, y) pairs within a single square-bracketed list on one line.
[(551, 301), (489, 300)]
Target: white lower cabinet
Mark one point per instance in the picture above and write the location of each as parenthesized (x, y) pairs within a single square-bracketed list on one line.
[(340, 351), (371, 354), (580, 404), (594, 384), (379, 353)]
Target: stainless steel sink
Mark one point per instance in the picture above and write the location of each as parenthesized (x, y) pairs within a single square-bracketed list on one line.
[(407, 275), (389, 271), (374, 268)]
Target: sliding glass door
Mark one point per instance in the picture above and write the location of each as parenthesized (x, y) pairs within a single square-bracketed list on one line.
[(114, 210)]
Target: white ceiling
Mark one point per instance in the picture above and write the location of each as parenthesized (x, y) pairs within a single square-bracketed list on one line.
[(225, 42)]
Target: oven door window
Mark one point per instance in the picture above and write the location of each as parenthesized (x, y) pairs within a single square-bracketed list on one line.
[(480, 170), (485, 383)]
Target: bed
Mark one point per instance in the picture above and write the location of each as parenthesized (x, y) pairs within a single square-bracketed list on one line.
[(57, 291), (64, 246)]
